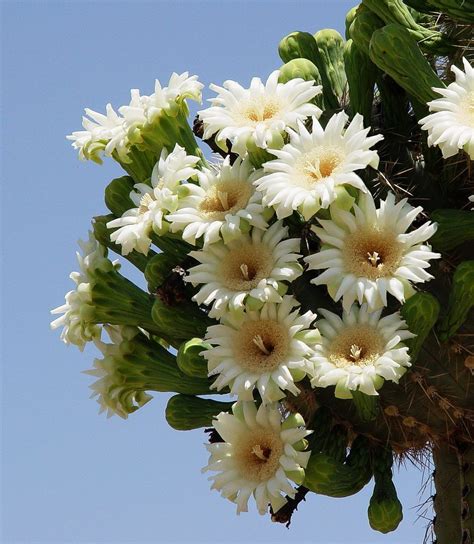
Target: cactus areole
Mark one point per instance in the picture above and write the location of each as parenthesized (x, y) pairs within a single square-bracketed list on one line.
[(318, 277)]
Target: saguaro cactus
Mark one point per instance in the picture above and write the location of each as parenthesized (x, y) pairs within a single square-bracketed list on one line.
[(321, 274)]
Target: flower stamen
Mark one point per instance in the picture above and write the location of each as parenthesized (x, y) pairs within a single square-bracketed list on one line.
[(355, 352), (374, 258), (258, 341)]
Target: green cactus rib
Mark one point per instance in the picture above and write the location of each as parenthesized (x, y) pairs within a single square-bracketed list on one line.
[(336, 447), (361, 73), (461, 10), (185, 412), (420, 312), (189, 358), (365, 23), (461, 300), (327, 476), (455, 227), (330, 63), (158, 268), (117, 195), (102, 235), (395, 11), (350, 16), (148, 366), (385, 511), (395, 52), (420, 5), (180, 322), (447, 501)]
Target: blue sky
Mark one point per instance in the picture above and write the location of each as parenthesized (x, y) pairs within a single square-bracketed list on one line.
[(70, 475)]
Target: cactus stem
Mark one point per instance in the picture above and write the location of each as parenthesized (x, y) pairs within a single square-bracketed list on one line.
[(447, 502), (466, 455)]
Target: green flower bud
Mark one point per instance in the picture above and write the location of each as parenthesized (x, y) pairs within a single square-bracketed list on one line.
[(189, 358), (185, 412)]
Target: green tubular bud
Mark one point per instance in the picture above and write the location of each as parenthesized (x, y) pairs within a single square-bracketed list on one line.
[(461, 300), (367, 406), (385, 510), (117, 195), (138, 163), (460, 10), (420, 312), (350, 16), (361, 73), (304, 69), (298, 45), (327, 476), (395, 52), (189, 358), (454, 228), (102, 235), (330, 63), (185, 412), (365, 23), (132, 365), (118, 301), (180, 322), (395, 11), (158, 268)]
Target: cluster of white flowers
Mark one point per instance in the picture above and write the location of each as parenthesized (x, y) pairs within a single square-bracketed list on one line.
[(234, 213), (104, 134)]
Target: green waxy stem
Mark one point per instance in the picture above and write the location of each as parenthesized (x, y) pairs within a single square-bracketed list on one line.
[(139, 163), (102, 235), (117, 195), (455, 227), (336, 447), (461, 10), (189, 358), (298, 45), (461, 300), (367, 406), (158, 268), (330, 63), (185, 412), (365, 23), (385, 510), (180, 322), (395, 11), (327, 476), (172, 244), (420, 312), (395, 52), (361, 73)]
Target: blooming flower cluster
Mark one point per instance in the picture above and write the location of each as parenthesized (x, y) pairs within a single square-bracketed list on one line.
[(283, 166)]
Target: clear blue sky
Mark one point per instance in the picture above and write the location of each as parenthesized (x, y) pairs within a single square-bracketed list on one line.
[(70, 475)]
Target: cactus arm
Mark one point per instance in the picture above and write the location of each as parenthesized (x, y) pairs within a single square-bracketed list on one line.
[(395, 52), (466, 457), (447, 501), (361, 73), (330, 63), (461, 10)]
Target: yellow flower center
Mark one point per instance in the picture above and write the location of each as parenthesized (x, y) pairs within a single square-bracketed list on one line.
[(245, 266), (319, 163), (358, 344), (258, 454), (257, 111), (225, 197), (261, 346), (467, 109), (371, 253), (145, 202)]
